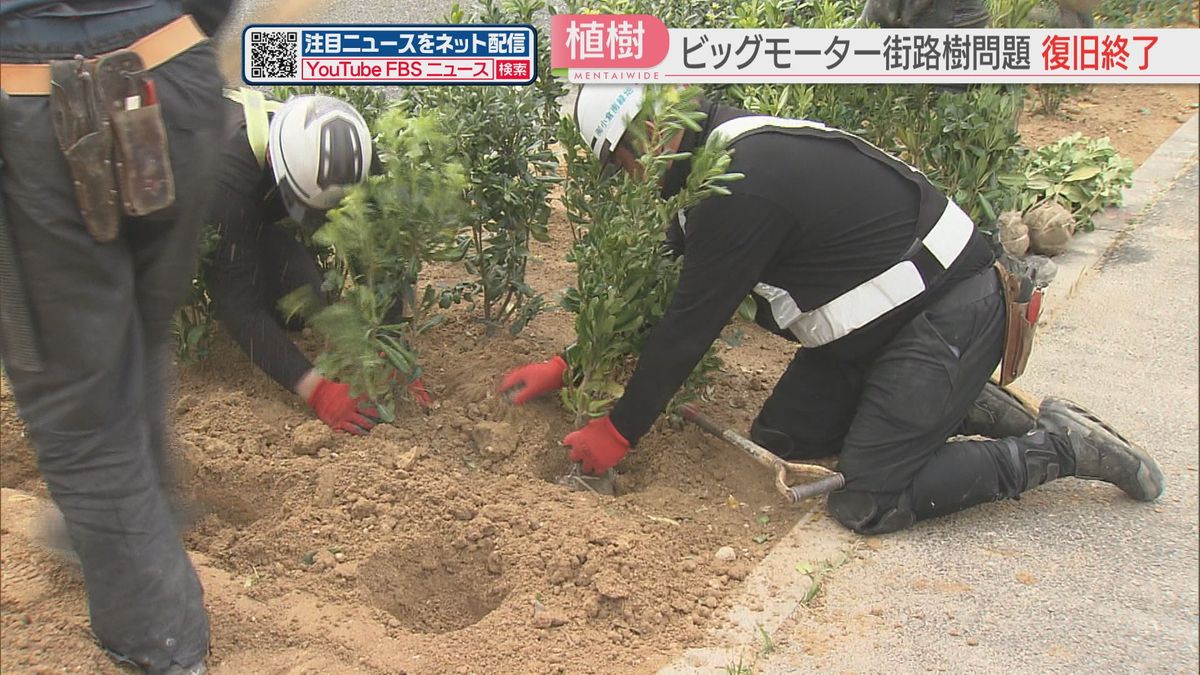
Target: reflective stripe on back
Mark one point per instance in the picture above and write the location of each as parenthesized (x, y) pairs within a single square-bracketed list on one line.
[(739, 127)]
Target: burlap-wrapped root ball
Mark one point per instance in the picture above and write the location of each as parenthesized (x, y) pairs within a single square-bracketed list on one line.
[(1050, 228), (1014, 236)]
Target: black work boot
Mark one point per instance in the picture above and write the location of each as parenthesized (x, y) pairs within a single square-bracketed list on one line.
[(779, 443), (997, 413), (1099, 452)]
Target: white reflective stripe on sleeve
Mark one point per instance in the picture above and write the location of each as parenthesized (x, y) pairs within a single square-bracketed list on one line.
[(949, 235), (683, 221)]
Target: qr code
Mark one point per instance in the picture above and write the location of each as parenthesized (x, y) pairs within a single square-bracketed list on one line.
[(273, 55)]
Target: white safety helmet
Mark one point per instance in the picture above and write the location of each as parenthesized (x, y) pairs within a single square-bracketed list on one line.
[(603, 113), (319, 146)]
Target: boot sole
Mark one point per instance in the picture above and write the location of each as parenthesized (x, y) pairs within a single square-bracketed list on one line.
[(1149, 484)]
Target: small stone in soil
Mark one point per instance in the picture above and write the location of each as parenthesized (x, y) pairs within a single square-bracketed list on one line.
[(738, 572), (546, 618), (725, 554), (323, 560), (495, 564), (311, 437), (494, 438)]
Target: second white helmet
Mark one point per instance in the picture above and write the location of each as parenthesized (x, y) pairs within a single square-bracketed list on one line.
[(319, 147)]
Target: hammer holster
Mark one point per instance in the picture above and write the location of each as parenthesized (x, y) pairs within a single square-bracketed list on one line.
[(115, 146), (1019, 326)]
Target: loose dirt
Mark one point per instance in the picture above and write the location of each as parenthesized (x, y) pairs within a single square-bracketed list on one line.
[(1135, 117), (441, 544)]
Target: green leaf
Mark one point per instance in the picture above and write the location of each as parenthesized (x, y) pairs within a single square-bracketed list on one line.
[(1083, 173)]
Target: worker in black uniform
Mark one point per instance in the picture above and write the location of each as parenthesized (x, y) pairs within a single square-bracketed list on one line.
[(890, 291), (108, 131), (294, 161)]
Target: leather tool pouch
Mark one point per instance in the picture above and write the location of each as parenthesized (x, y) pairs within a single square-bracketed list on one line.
[(85, 137), (143, 164), (1020, 324), (113, 138)]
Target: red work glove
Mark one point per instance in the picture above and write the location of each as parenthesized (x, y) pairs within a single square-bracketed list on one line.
[(533, 379), (332, 403), (598, 446), (420, 394)]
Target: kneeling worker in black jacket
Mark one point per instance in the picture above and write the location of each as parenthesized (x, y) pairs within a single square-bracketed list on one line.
[(892, 293)]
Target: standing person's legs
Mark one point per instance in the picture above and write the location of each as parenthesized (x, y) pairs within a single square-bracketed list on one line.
[(164, 244), (86, 408)]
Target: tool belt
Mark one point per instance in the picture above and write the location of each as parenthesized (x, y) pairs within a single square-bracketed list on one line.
[(1023, 308), (109, 125)]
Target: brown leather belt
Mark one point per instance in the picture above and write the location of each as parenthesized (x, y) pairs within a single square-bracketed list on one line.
[(164, 44)]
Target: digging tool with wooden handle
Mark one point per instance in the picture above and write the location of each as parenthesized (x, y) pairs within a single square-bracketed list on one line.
[(827, 482)]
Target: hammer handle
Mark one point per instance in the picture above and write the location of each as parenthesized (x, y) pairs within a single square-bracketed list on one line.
[(816, 488)]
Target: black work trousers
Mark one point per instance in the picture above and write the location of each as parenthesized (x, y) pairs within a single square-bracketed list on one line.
[(95, 408), (888, 420)]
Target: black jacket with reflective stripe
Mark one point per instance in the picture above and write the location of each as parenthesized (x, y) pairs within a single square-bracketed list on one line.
[(818, 213)]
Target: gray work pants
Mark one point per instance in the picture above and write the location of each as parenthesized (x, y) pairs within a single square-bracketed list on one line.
[(100, 317)]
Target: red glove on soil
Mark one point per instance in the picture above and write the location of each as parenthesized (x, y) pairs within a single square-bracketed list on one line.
[(598, 446), (533, 379), (332, 403), (420, 394)]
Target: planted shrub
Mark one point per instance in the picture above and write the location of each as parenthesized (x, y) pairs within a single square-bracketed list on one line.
[(505, 137), (194, 323), (624, 279), (1082, 174), (382, 233)]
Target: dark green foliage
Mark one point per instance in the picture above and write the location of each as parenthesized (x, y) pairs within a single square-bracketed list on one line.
[(1146, 13), (194, 323), (504, 135)]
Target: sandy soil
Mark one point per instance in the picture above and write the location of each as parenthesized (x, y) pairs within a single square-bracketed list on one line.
[(441, 544), (1136, 117)]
